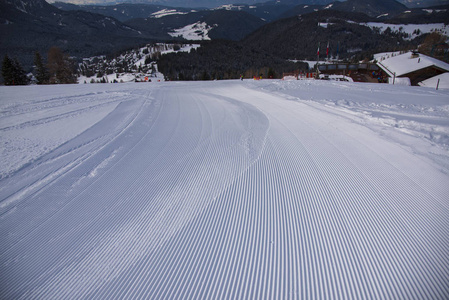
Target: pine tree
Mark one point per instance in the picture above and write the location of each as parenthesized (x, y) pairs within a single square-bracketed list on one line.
[(40, 70), (7, 71), (13, 73), (20, 77)]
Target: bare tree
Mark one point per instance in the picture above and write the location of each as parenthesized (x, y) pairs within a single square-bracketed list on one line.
[(60, 67)]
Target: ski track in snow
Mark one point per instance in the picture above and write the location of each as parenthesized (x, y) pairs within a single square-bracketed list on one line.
[(235, 190)]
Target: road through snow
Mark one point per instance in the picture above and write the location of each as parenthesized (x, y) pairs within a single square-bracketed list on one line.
[(235, 190)]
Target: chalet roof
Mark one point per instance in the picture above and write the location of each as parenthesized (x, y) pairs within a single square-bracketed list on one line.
[(432, 82), (407, 63)]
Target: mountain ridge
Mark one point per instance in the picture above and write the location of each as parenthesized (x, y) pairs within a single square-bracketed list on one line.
[(211, 4), (268, 11), (27, 26)]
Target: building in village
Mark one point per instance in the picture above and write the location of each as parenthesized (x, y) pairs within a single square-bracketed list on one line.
[(359, 72), (414, 68), (411, 68)]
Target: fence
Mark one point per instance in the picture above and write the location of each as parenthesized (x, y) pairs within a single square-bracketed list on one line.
[(343, 67)]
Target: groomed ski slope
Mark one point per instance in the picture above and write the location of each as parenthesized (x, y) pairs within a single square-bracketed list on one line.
[(224, 190)]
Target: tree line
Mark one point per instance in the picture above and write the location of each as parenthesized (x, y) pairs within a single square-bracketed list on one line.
[(300, 37), (59, 69), (222, 59)]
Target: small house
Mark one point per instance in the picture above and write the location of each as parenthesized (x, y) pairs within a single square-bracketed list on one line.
[(414, 66)]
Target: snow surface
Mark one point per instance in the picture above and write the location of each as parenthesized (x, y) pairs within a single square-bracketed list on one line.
[(324, 25), (385, 55), (413, 30), (442, 81), (194, 32), (399, 80), (247, 189), (230, 7), (167, 12), (184, 48)]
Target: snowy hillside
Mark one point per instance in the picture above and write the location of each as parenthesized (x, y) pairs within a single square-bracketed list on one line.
[(224, 189), (412, 30), (167, 12), (194, 32)]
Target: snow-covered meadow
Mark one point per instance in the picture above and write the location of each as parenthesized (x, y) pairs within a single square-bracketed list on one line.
[(195, 32), (225, 189)]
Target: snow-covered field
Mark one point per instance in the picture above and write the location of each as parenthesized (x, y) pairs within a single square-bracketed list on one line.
[(413, 30), (236, 190), (194, 32), (167, 12)]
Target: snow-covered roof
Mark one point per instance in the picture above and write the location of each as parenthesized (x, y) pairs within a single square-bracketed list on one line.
[(432, 82), (406, 63)]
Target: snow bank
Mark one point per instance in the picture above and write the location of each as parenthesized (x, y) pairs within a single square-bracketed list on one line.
[(400, 81), (37, 119)]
